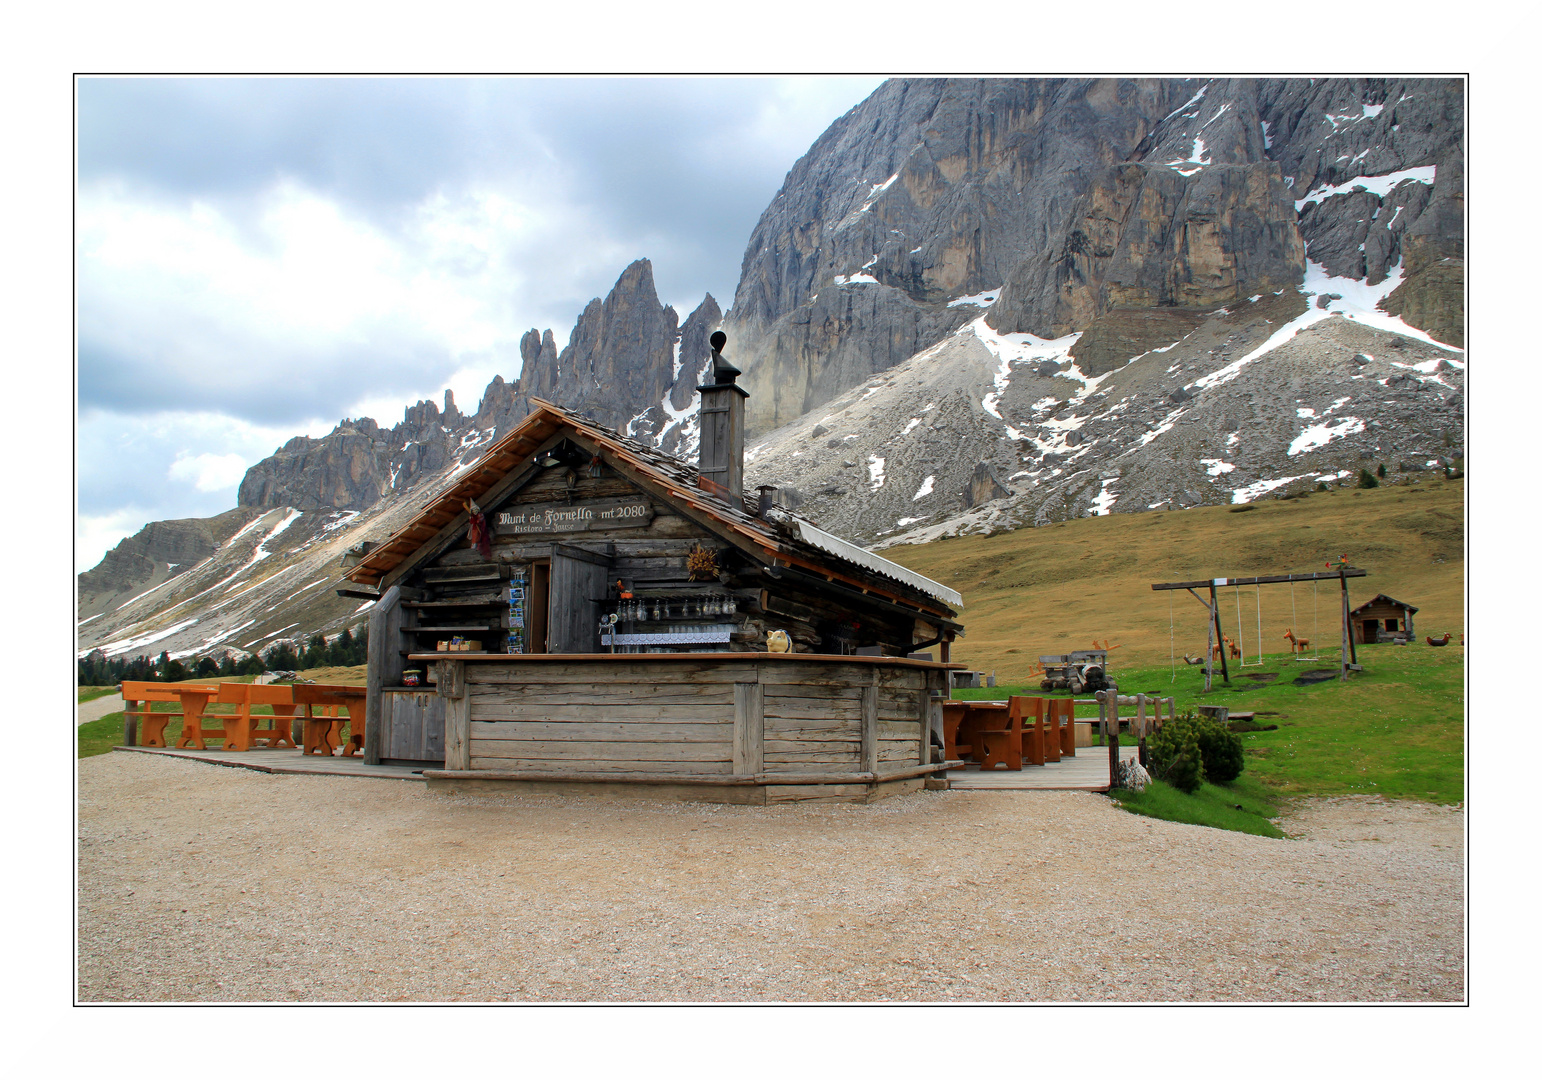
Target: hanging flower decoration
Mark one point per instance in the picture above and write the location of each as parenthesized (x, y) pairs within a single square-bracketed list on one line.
[(702, 563)]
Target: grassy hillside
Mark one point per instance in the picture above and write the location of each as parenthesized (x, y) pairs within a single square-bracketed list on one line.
[(1057, 588)]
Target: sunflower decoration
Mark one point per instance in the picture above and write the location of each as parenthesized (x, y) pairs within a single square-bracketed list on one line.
[(702, 563)]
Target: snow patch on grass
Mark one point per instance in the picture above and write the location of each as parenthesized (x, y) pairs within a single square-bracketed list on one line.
[(1260, 487)]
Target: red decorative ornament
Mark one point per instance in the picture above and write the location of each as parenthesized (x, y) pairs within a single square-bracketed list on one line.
[(478, 533)]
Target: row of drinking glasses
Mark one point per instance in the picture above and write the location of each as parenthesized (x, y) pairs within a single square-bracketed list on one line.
[(659, 609)]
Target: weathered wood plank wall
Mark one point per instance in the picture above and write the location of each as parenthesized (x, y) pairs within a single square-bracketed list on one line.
[(706, 717)]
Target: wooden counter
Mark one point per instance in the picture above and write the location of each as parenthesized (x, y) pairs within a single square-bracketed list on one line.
[(734, 727)]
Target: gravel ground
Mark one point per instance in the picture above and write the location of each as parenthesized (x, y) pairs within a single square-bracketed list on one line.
[(202, 883)]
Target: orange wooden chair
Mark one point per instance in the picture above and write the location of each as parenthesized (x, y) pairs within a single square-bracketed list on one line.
[(243, 729)]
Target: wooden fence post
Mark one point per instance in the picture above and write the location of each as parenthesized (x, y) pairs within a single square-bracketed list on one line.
[(749, 728), (457, 715), (870, 725), (1112, 694)]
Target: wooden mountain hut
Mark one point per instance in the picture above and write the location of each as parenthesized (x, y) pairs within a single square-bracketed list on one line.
[(618, 608), (1382, 618)]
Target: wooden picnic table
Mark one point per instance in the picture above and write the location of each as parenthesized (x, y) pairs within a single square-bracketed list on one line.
[(323, 733), (143, 727), (1031, 729)]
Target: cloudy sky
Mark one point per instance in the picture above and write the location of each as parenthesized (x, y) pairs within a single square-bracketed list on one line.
[(258, 258)]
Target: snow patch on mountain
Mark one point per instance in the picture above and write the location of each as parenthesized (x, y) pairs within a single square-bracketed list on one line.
[(1376, 185)]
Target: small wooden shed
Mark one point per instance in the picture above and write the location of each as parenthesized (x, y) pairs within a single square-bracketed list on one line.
[(621, 611), (1382, 618)]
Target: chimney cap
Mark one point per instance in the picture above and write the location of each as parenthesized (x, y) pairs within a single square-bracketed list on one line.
[(722, 371)]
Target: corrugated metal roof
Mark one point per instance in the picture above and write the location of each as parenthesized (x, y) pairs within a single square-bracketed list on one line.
[(845, 549)]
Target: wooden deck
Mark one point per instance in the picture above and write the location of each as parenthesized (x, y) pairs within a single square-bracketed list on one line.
[(1087, 771), (286, 761)]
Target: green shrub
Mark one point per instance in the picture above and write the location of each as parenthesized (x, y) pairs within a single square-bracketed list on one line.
[(1367, 480), (1189, 750), (1174, 756), (1221, 751)]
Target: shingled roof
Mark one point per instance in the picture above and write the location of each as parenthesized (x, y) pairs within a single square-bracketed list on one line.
[(1383, 598), (787, 540)]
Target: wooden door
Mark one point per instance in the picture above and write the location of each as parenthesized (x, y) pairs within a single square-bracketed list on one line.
[(538, 615), (413, 729), (578, 589)]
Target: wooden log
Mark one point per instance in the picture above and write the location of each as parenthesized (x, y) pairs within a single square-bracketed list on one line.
[(385, 668), (1346, 643), (131, 721), (535, 730), (870, 726), (749, 731), (614, 714), (510, 707), (813, 731), (1211, 624), (569, 750), (851, 757), (923, 704), (457, 733), (723, 767)]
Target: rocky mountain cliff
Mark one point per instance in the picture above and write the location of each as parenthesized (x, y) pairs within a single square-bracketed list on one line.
[(1067, 201), (973, 305), (624, 350)]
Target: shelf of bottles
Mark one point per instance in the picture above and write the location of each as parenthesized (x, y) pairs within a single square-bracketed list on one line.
[(666, 623)]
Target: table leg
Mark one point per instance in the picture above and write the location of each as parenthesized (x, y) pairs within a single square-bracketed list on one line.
[(283, 726), (238, 729), (355, 710), (192, 728), (192, 718)]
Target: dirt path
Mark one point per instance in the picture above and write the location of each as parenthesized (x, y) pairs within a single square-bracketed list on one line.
[(98, 708), (204, 883)]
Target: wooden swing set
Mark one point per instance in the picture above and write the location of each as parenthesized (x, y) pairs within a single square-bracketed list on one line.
[(1340, 572)]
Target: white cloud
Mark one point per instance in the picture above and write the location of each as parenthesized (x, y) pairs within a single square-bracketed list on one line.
[(208, 472)]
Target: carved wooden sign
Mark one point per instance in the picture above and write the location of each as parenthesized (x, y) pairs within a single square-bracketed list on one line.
[(579, 517)]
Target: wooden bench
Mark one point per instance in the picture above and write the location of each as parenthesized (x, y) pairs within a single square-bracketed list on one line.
[(142, 727), (242, 729), (321, 734), (999, 736), (1062, 718), (954, 745)]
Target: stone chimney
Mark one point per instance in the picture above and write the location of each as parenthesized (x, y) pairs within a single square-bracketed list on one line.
[(722, 428)]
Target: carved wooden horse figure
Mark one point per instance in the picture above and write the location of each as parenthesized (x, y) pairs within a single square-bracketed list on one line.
[(1236, 653), (1296, 644)]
